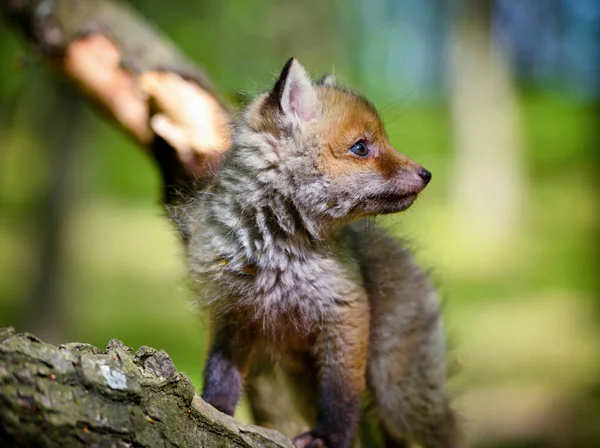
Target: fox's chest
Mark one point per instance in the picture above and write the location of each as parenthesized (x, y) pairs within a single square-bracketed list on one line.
[(302, 291), (309, 278)]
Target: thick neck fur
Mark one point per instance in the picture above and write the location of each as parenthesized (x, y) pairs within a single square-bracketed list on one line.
[(251, 207)]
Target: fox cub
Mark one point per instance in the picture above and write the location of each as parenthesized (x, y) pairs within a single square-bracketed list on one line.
[(289, 268)]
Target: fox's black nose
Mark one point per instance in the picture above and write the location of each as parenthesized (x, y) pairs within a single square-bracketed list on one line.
[(425, 175)]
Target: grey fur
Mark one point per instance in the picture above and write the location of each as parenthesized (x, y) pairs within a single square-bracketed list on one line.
[(272, 234), (261, 215)]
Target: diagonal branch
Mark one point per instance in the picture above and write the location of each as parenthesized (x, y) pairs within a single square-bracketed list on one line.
[(136, 76)]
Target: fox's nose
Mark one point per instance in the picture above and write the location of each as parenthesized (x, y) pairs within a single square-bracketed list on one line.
[(425, 175)]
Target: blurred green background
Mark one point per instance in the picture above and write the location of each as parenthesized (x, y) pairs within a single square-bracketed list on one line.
[(499, 99)]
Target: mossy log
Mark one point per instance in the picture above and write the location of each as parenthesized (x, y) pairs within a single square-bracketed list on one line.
[(77, 395)]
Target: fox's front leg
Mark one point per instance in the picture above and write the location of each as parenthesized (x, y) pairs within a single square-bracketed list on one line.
[(341, 356), (228, 359)]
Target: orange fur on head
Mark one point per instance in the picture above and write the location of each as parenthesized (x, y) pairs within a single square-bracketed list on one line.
[(348, 118)]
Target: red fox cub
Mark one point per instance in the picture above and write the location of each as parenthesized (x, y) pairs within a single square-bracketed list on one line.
[(289, 267)]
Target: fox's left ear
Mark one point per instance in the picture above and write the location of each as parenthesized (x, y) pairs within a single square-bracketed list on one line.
[(294, 93)]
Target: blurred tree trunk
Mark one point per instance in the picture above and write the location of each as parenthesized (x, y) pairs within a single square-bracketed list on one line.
[(59, 125), (487, 177)]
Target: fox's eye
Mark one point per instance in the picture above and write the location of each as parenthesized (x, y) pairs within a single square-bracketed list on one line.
[(360, 149)]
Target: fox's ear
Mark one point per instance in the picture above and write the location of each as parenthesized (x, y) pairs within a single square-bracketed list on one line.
[(327, 80), (294, 93)]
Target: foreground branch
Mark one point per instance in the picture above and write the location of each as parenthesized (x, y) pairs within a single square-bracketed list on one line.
[(77, 395), (138, 78)]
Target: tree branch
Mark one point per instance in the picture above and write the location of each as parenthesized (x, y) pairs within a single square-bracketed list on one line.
[(137, 77), (77, 395)]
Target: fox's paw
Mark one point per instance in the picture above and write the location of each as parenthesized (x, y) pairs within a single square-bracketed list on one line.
[(308, 440)]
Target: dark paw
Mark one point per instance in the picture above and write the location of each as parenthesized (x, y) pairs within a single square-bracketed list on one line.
[(308, 440)]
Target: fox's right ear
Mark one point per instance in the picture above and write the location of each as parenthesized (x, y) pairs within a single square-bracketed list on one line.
[(327, 80), (294, 94)]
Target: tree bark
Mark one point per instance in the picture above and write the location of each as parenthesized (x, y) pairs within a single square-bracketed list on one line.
[(138, 78), (78, 395)]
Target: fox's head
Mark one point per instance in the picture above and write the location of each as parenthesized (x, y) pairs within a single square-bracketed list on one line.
[(325, 149)]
